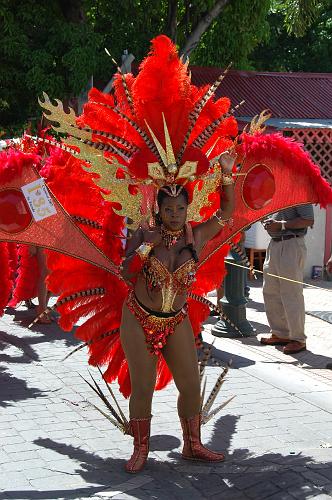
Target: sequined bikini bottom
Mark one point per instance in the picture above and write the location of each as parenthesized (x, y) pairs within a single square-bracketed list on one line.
[(157, 326)]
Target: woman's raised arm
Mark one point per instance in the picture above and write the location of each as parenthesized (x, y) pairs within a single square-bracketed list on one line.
[(207, 230)]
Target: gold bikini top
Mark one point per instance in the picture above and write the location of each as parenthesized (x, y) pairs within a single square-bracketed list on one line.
[(170, 283)]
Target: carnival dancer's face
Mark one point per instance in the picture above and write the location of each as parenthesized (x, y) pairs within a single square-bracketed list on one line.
[(173, 212)]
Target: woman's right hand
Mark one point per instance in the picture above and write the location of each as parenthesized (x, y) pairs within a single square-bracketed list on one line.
[(152, 236), (227, 160)]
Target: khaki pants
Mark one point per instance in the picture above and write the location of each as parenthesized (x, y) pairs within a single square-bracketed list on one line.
[(284, 301)]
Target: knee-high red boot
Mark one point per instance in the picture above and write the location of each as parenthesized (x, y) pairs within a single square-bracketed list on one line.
[(140, 429), (192, 446)]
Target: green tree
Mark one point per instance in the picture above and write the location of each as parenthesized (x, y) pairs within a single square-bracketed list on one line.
[(210, 32), (43, 46), (283, 51), (56, 46)]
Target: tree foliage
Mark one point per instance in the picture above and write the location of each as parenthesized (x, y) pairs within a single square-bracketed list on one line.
[(299, 14), (286, 52), (56, 46), (40, 49), (234, 36)]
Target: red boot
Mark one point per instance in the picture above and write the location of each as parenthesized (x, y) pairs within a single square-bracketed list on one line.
[(140, 429), (192, 447)]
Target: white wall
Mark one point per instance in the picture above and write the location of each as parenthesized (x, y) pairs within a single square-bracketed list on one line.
[(257, 237), (315, 241)]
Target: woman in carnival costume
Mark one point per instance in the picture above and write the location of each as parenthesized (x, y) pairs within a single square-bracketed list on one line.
[(157, 156), (162, 263)]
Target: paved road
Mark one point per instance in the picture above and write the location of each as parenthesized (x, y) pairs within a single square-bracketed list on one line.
[(277, 432)]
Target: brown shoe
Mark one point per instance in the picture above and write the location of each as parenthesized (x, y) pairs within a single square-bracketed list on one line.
[(274, 340), (294, 347)]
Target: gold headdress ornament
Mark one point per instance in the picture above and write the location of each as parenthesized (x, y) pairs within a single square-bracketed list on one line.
[(169, 171), (173, 190), (117, 139)]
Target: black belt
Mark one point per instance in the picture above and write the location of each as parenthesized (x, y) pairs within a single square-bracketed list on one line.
[(287, 237), (158, 314)]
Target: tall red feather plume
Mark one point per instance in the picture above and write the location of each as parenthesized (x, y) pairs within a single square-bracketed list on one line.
[(6, 277), (26, 283)]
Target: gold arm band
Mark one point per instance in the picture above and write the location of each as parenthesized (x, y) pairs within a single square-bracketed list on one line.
[(226, 179), (144, 249), (222, 222)]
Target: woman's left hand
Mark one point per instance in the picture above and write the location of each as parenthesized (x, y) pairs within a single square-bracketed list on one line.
[(227, 160)]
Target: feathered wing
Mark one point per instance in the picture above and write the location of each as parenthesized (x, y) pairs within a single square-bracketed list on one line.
[(17, 283), (275, 173), (94, 294)]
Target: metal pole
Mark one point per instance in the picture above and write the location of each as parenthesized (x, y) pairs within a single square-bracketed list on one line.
[(234, 302)]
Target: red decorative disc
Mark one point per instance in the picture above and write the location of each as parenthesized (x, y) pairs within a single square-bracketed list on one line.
[(259, 187), (15, 215)]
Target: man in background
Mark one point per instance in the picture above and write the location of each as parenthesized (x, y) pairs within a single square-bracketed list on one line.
[(285, 257)]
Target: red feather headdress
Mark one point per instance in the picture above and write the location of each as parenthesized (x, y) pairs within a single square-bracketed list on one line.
[(156, 129)]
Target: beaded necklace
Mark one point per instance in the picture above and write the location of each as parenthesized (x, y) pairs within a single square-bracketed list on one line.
[(170, 238)]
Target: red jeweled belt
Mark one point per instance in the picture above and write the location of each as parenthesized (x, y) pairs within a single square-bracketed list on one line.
[(157, 326)]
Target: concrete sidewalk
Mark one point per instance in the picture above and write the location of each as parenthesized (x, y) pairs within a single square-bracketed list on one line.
[(319, 333), (277, 432)]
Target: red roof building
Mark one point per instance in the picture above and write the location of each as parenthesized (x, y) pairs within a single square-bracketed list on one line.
[(295, 96), (301, 107), (300, 104)]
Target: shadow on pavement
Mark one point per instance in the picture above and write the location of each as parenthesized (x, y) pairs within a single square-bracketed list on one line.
[(257, 306), (228, 357), (13, 389), (256, 475), (306, 360), (164, 442), (242, 475), (27, 353), (47, 333), (259, 328)]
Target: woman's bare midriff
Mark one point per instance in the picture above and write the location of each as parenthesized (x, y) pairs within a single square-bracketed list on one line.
[(153, 298)]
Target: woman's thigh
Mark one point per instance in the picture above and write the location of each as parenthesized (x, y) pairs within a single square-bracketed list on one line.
[(180, 354), (142, 364)]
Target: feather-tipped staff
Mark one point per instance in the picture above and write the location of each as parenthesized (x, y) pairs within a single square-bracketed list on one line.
[(203, 393), (124, 83), (216, 308), (215, 390), (84, 293), (207, 418), (194, 115), (205, 135), (205, 408)]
